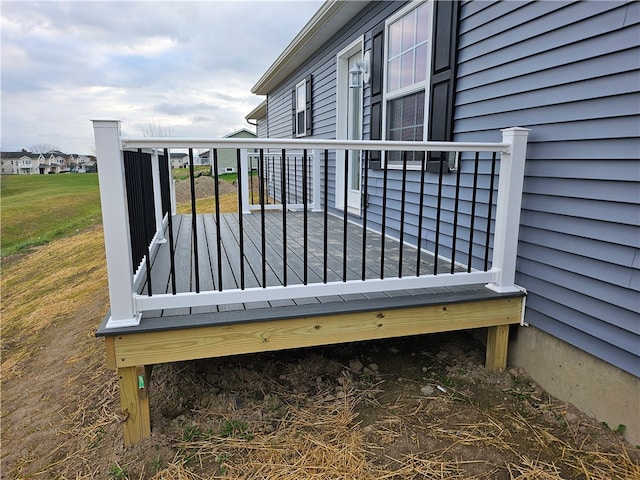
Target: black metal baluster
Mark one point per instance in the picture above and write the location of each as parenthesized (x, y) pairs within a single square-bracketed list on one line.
[(283, 196), (326, 214), (172, 250), (253, 199), (344, 215), (421, 214), (438, 216), (194, 222), (310, 180), (365, 204), (262, 224), (305, 215), (473, 210), (240, 217), (456, 210), (295, 178), (217, 213), (489, 214)]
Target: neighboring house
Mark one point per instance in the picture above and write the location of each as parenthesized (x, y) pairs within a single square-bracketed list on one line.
[(18, 163), (568, 71), (227, 161), (26, 163), (89, 166), (179, 160)]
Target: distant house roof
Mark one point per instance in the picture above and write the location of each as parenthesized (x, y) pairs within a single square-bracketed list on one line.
[(257, 113), (242, 133), (327, 21), (9, 155)]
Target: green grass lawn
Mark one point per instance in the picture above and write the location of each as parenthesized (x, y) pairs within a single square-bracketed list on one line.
[(36, 209)]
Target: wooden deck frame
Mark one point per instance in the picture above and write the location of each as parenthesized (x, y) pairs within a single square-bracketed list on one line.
[(131, 354)]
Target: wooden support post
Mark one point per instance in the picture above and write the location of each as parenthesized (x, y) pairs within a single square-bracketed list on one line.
[(134, 403), (497, 346)]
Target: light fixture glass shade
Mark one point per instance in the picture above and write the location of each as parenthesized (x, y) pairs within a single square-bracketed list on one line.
[(355, 77)]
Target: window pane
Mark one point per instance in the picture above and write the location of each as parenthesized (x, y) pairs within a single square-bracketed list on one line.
[(420, 108), (423, 26), (409, 112), (301, 101), (421, 64), (407, 69), (393, 75), (300, 127), (405, 121), (395, 38), (395, 113), (409, 31)]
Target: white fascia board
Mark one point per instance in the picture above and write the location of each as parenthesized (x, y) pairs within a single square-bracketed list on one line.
[(259, 112), (327, 21)]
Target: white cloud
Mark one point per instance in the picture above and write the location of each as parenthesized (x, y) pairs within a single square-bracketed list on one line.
[(186, 64)]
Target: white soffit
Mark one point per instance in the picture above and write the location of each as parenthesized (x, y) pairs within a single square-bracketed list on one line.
[(327, 21)]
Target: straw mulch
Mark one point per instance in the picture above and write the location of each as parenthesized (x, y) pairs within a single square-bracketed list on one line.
[(320, 439)]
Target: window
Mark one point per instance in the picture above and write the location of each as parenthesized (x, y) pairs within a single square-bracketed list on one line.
[(301, 103), (301, 111), (408, 46)]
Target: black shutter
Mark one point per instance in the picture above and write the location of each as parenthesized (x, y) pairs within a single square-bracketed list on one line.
[(377, 80), (443, 77), (293, 112), (308, 95)]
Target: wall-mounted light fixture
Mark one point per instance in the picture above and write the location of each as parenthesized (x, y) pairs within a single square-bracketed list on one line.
[(359, 73)]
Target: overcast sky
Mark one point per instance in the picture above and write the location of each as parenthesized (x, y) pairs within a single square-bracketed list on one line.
[(187, 65)]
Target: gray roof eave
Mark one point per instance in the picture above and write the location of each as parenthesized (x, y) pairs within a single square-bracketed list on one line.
[(327, 21)]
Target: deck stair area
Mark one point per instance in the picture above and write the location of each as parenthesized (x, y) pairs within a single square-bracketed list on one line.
[(295, 270)]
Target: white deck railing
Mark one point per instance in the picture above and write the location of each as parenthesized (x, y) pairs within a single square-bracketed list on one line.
[(127, 304)]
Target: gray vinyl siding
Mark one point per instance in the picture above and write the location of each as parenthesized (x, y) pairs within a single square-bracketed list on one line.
[(262, 128), (569, 72)]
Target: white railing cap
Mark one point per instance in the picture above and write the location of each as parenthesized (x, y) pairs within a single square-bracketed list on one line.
[(310, 144)]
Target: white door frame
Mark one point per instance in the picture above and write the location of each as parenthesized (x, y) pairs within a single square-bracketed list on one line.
[(342, 99)]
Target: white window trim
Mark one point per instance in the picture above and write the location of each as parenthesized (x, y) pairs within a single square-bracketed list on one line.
[(424, 85), (301, 132)]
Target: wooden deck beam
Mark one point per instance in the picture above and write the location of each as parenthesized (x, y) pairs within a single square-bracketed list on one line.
[(251, 337)]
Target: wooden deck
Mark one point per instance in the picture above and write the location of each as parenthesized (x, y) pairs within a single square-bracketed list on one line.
[(212, 331)]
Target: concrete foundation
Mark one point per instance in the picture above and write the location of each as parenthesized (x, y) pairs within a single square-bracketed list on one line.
[(597, 388)]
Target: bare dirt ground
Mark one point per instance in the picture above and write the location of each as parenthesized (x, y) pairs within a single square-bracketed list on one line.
[(413, 408)]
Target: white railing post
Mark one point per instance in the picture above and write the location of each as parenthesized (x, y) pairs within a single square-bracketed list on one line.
[(511, 180), (157, 196), (316, 206), (244, 181), (113, 196)]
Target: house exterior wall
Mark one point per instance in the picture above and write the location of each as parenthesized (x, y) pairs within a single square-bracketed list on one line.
[(569, 72), (262, 127), (322, 67)]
